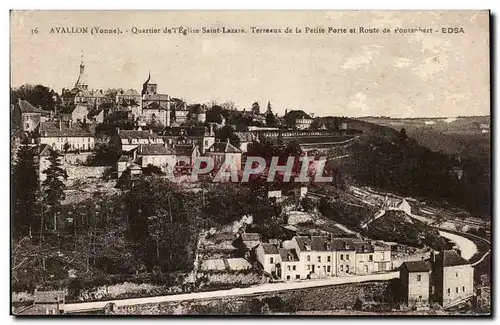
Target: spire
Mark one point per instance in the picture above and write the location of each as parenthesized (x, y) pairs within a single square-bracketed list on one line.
[(149, 78), (80, 82)]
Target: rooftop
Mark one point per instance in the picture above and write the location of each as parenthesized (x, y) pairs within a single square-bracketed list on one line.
[(26, 107), (42, 297), (51, 129), (289, 255), (223, 147), (270, 248), (250, 236), (450, 258), (136, 134), (417, 266), (154, 150)]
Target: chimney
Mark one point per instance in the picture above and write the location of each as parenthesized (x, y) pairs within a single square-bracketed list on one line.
[(60, 125), (185, 106), (117, 130), (70, 123), (150, 131)]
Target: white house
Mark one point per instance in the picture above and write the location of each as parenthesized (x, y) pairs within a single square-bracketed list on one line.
[(66, 135)]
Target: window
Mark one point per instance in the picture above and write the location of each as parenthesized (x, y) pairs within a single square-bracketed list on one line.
[(347, 269), (308, 258), (328, 259), (456, 274), (294, 267), (419, 297), (27, 125), (341, 257), (271, 260), (297, 276), (288, 277), (328, 269), (342, 268), (319, 259), (382, 256), (463, 288), (370, 258), (419, 278), (347, 257), (288, 267), (449, 291), (456, 289)]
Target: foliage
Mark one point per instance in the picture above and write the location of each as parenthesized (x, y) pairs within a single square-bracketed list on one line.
[(25, 193), (102, 155), (227, 133), (396, 163), (53, 186), (38, 95), (271, 120)]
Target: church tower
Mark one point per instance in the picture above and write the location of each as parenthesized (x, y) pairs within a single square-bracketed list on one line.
[(148, 88), (80, 82)]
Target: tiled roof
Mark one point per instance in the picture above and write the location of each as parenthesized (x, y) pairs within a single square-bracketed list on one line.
[(298, 114), (417, 266), (450, 258), (153, 105), (314, 243), (129, 92), (223, 147), (362, 247), (184, 149), (153, 150), (136, 134), (94, 113), (155, 97), (270, 248), (41, 297), (289, 255), (51, 129), (127, 102), (251, 236), (26, 107)]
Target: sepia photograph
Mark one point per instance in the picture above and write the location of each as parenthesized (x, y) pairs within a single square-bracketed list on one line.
[(250, 163)]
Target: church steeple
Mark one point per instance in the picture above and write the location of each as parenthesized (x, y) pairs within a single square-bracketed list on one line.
[(148, 88), (80, 82)]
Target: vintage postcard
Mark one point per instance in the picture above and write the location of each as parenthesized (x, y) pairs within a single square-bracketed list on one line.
[(250, 163)]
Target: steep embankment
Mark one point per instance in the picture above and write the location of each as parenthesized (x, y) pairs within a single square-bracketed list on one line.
[(388, 159)]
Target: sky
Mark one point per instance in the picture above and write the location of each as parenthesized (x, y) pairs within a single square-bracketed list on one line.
[(395, 74)]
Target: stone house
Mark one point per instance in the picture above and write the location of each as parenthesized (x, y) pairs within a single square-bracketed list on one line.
[(453, 278), (45, 303), (415, 279)]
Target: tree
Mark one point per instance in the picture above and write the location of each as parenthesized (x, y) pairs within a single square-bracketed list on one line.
[(226, 133), (66, 147), (53, 188), (37, 95), (256, 108), (25, 191), (271, 120)]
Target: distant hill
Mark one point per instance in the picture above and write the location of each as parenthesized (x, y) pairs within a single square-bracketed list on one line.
[(390, 160), (463, 136)]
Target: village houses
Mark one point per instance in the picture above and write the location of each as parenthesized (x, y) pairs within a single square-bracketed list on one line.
[(66, 136), (306, 257)]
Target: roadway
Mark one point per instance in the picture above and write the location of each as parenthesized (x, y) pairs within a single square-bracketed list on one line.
[(258, 289)]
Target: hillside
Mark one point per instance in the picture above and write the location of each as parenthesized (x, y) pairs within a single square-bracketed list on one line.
[(392, 161)]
